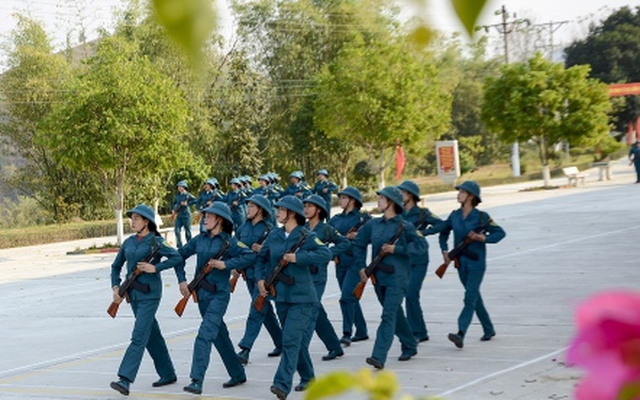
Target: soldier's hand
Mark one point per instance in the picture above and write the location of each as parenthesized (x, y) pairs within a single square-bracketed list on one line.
[(289, 257), (352, 235), (389, 248), (184, 288), (476, 237), (217, 264), (147, 268), (445, 257), (116, 297), (256, 247), (235, 273), (363, 275), (261, 288)]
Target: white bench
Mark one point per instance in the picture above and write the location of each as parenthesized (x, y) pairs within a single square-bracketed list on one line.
[(574, 175), (165, 232)]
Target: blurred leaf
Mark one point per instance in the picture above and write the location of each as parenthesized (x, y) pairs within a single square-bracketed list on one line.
[(330, 385), (421, 35), (188, 22), (630, 391), (468, 12)]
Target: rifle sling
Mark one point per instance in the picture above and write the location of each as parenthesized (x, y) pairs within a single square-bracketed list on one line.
[(389, 269), (208, 286), (287, 280)]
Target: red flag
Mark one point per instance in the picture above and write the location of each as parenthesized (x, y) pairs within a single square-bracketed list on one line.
[(399, 161)]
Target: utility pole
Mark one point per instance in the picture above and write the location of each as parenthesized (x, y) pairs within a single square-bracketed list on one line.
[(505, 28), (552, 26)]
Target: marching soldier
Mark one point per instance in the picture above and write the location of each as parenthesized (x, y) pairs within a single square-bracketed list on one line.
[(469, 222), (206, 198), (347, 273), (145, 297), (297, 186), (421, 218), (181, 212), (295, 297), (324, 187), (253, 233), (235, 200), (392, 277), (316, 212), (214, 293)]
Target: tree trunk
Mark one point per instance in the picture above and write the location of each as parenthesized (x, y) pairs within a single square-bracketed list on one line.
[(118, 208), (381, 168), (546, 175)]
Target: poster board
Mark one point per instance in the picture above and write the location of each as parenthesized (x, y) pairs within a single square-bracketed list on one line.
[(448, 160)]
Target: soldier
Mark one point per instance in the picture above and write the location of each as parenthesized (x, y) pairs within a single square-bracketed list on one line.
[(634, 156), (206, 198), (316, 212), (421, 218), (145, 297), (214, 294), (297, 186), (324, 187), (247, 187), (393, 275), (253, 233), (469, 222), (235, 200), (181, 212), (296, 297), (347, 273)]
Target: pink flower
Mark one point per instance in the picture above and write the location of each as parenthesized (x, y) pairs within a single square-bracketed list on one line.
[(607, 345)]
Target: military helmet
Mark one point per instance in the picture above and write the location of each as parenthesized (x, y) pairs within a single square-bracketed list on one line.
[(296, 174), (264, 177), (317, 201), (291, 203), (353, 193), (212, 182), (220, 209), (471, 187), (183, 184), (247, 179), (323, 172), (261, 202), (410, 187), (144, 211), (392, 193), (235, 181)]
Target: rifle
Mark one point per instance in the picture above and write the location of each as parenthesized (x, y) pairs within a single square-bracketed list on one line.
[(457, 251), (123, 290), (354, 229), (277, 274), (194, 285), (234, 279), (423, 219), (376, 264)]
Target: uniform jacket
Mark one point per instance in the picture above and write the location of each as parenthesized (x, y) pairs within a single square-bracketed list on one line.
[(312, 252), (343, 222), (134, 250), (461, 228), (328, 234), (248, 233), (418, 215), (177, 206), (205, 199), (379, 231), (237, 256), (326, 184)]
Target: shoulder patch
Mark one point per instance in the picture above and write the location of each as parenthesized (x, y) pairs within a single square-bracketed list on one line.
[(240, 244), (165, 244), (492, 223), (318, 241), (419, 233)]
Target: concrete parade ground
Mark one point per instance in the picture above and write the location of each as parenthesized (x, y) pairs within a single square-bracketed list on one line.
[(562, 245)]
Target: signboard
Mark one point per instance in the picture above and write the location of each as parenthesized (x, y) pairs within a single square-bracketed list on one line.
[(448, 160)]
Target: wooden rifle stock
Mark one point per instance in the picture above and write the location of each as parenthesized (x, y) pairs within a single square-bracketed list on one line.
[(194, 285), (123, 290)]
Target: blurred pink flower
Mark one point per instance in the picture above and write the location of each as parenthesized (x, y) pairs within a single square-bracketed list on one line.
[(607, 345)]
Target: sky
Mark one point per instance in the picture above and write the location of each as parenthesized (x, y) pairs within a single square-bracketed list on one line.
[(62, 17)]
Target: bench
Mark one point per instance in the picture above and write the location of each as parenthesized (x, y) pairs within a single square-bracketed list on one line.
[(604, 170), (574, 175), (165, 232)]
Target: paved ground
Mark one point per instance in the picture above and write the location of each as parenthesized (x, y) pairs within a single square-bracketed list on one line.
[(56, 340)]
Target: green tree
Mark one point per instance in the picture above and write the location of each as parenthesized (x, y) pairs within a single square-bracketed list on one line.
[(546, 103), (123, 115), (374, 94), (33, 85), (611, 49)]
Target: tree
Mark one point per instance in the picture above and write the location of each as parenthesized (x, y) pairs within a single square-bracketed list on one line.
[(611, 49), (33, 85), (123, 115), (376, 93), (546, 103)]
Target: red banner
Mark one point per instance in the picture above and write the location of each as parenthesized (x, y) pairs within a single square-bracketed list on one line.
[(399, 162), (624, 89)]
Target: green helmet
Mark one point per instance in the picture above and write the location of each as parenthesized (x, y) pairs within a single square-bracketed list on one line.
[(144, 211), (317, 201), (261, 202), (353, 193), (471, 187), (392, 193), (220, 209), (183, 184), (410, 187), (291, 203)]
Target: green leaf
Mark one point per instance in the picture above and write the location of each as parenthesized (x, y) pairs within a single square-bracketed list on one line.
[(329, 385), (630, 391), (468, 12), (188, 22)]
